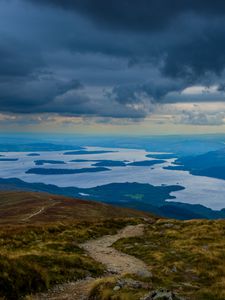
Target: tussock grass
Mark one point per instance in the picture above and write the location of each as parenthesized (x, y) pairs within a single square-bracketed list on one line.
[(186, 257), (103, 289), (34, 258)]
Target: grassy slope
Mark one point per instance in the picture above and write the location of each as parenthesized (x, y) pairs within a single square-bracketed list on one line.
[(42, 250), (17, 207), (185, 256)]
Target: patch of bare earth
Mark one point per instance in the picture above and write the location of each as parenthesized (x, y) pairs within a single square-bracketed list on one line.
[(117, 262)]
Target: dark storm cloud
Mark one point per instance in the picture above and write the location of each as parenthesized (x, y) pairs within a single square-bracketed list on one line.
[(156, 91), (13, 58), (143, 15), (193, 59), (197, 48), (32, 94), (108, 58)]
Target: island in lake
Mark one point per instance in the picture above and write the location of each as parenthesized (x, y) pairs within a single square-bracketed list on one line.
[(45, 171)]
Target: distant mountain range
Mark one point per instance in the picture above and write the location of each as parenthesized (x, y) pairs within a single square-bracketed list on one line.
[(210, 164)]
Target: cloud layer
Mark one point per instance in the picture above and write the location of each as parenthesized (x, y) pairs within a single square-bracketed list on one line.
[(115, 59)]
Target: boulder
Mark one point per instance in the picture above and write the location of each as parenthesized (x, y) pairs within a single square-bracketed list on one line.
[(161, 294)]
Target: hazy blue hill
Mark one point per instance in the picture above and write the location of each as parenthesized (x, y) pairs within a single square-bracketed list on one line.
[(211, 164), (215, 172), (184, 145), (207, 160), (185, 211), (20, 147), (180, 146)]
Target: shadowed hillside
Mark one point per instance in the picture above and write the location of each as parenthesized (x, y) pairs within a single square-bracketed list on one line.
[(30, 207)]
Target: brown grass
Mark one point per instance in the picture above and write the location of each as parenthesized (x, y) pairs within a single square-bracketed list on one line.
[(17, 207), (35, 257), (40, 251), (186, 257)]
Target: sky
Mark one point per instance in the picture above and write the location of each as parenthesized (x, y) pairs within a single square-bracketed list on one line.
[(112, 67)]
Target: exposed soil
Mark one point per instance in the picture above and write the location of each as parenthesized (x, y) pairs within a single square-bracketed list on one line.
[(117, 262)]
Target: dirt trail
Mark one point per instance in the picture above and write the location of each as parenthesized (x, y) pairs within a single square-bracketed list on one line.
[(77, 290), (34, 214), (42, 209), (115, 261)]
